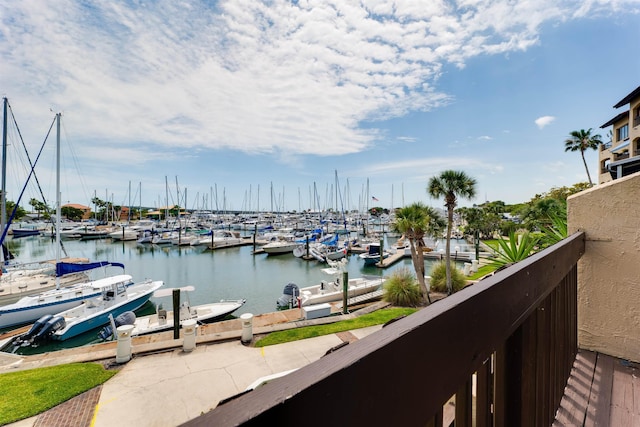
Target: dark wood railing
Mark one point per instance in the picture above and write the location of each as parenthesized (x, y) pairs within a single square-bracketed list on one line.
[(514, 333)]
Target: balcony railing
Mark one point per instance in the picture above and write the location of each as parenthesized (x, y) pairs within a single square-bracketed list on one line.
[(503, 346)]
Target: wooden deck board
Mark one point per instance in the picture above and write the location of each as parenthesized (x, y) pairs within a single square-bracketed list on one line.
[(601, 391), (599, 410), (573, 406), (624, 399)]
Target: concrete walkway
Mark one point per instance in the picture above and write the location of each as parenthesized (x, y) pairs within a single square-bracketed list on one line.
[(162, 385)]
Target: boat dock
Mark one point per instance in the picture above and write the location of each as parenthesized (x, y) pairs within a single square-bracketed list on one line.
[(455, 256), (360, 299)]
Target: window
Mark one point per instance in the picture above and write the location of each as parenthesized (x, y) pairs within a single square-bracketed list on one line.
[(623, 132)]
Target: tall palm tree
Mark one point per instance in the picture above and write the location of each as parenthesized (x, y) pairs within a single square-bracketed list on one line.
[(582, 140), (415, 222), (451, 185)]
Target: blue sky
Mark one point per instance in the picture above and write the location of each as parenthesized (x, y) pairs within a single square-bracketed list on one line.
[(251, 105)]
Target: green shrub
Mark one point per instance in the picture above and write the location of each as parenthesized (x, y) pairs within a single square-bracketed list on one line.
[(439, 278), (402, 289)]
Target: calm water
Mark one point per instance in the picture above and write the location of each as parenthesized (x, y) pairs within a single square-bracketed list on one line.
[(228, 273)]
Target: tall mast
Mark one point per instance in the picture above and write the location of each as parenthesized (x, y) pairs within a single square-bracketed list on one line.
[(58, 196), (3, 191)]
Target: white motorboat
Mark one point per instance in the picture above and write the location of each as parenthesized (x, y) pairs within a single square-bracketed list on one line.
[(115, 299), (163, 320), (145, 236), (327, 291), (280, 247), (124, 234), (164, 238)]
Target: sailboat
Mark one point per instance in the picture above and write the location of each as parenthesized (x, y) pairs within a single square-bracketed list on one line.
[(32, 307)]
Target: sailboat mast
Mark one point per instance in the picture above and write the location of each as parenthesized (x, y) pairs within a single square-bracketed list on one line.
[(3, 191), (58, 197)]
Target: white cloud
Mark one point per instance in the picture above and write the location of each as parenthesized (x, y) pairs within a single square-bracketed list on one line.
[(273, 77), (543, 121)]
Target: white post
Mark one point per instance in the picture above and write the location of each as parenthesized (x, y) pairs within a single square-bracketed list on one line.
[(189, 331), (123, 350), (247, 327)]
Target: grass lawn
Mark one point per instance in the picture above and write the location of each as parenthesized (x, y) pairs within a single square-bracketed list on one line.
[(24, 394), (378, 317), (482, 271), (492, 243)]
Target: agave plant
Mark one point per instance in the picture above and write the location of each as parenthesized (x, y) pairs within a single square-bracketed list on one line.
[(556, 231), (515, 249)]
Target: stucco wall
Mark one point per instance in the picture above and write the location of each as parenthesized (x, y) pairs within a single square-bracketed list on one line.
[(609, 271)]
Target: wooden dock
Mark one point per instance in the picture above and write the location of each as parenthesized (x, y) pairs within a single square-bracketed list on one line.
[(360, 299), (390, 260)]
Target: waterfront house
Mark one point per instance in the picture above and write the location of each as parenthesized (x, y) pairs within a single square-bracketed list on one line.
[(621, 156)]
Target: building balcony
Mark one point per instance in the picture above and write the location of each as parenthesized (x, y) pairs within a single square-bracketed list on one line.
[(500, 352)]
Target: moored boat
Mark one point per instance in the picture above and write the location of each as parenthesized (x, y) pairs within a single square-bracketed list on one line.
[(372, 256), (115, 299), (163, 320), (31, 307), (327, 291)]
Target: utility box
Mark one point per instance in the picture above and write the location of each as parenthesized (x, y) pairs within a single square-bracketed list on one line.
[(316, 311)]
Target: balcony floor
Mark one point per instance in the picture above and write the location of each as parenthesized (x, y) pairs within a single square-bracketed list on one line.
[(601, 391)]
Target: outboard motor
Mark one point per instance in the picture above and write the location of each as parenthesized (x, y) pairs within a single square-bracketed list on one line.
[(126, 318), (35, 328), (289, 298), (52, 325)]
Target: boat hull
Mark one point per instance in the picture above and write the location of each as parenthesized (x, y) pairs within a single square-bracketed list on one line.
[(206, 313), (314, 295), (21, 316), (100, 318)]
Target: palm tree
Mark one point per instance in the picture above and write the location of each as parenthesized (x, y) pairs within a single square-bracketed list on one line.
[(582, 140), (415, 222), (451, 185)]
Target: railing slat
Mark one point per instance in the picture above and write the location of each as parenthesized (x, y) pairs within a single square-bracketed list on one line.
[(484, 395), (464, 405)]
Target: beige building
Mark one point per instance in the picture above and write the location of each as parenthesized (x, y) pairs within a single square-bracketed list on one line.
[(621, 156)]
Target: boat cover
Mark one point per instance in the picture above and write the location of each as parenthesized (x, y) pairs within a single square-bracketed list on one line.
[(63, 268)]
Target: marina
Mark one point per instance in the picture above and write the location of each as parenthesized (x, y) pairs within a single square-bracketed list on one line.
[(229, 273)]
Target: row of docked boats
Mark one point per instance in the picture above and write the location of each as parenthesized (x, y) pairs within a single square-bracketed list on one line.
[(65, 313)]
